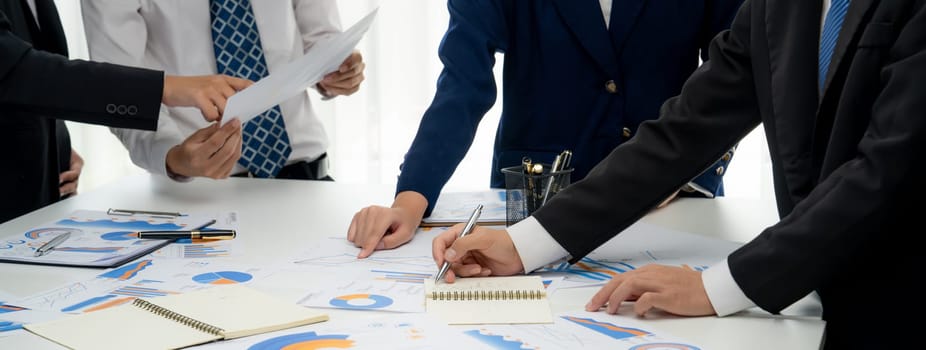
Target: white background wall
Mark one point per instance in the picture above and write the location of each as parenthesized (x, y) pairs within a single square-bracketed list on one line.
[(371, 130)]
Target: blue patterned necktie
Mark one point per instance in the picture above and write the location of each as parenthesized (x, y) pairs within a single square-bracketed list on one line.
[(238, 53), (831, 27)]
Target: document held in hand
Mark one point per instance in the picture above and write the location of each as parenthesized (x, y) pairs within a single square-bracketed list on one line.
[(176, 321), (323, 57)]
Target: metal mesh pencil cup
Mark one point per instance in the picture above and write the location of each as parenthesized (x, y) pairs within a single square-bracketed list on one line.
[(525, 193)]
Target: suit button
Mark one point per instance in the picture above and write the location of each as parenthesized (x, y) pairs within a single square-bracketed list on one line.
[(720, 170), (110, 108), (133, 110), (610, 86), (122, 110), (726, 157), (627, 132)]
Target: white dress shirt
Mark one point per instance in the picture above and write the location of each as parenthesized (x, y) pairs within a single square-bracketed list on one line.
[(537, 248), (606, 10), (31, 4), (176, 37)]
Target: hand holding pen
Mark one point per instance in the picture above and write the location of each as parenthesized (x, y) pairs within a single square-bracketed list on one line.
[(482, 252), (470, 225)]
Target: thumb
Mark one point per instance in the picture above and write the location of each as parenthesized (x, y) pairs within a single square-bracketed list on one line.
[(393, 240)]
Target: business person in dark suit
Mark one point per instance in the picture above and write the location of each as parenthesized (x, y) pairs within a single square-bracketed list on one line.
[(39, 87), (842, 102), (578, 75)]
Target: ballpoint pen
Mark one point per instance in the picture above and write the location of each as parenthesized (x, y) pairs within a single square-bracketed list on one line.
[(194, 234), (466, 230), (131, 212), (557, 166), (54, 242)]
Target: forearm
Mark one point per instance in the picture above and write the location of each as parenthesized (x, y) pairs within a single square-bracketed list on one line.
[(116, 96), (412, 203), (466, 90)]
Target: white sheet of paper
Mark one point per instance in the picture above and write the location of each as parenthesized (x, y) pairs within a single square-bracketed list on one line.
[(395, 331), (368, 295), (455, 207), (578, 330), (144, 278), (323, 57), (411, 262), (639, 245)]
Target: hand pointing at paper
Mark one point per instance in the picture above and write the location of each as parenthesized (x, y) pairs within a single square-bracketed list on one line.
[(346, 80)]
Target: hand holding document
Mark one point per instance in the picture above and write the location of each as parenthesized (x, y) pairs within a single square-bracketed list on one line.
[(293, 78)]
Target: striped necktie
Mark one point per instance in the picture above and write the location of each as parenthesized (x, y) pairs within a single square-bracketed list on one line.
[(831, 28), (238, 52)]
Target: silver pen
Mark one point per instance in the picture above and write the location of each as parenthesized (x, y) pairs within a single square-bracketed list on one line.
[(54, 242), (470, 225)]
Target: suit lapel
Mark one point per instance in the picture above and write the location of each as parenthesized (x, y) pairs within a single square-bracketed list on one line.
[(53, 33), (624, 15), (850, 29), (793, 31), (587, 25)]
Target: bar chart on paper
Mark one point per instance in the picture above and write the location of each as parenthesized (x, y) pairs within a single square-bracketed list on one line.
[(577, 330), (641, 245), (396, 331)]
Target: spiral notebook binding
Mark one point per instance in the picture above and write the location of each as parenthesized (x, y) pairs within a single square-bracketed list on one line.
[(189, 322), (489, 295)]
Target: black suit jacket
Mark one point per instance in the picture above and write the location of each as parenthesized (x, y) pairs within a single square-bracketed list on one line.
[(37, 88), (848, 163)]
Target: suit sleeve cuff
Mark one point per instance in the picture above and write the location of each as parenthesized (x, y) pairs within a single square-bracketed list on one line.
[(534, 244), (722, 291), (692, 187)]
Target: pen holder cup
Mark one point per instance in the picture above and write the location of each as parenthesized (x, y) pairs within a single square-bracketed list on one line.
[(525, 193)]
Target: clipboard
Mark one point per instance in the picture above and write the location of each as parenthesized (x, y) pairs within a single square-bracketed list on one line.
[(99, 239)]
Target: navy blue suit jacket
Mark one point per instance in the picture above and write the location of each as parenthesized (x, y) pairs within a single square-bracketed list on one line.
[(569, 82)]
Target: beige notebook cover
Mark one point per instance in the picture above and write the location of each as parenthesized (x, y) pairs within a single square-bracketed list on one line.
[(175, 321), (489, 300)]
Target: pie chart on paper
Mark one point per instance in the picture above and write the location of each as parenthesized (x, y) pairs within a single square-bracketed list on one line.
[(223, 277)]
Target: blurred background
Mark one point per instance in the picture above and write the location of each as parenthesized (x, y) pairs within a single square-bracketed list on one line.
[(371, 130)]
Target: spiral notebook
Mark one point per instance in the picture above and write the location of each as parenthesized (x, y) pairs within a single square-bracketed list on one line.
[(489, 300), (176, 321)]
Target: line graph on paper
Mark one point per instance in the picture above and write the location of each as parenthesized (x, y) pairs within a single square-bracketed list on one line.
[(410, 263), (58, 298)]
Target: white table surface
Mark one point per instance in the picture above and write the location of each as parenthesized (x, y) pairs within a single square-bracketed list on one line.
[(303, 211)]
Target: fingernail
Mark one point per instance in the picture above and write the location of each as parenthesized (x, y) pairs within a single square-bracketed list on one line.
[(588, 307), (381, 245), (450, 254)]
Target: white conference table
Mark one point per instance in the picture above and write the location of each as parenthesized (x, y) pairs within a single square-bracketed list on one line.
[(301, 212)]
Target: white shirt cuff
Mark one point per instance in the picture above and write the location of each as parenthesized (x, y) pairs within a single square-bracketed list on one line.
[(700, 189), (534, 244), (722, 291)]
